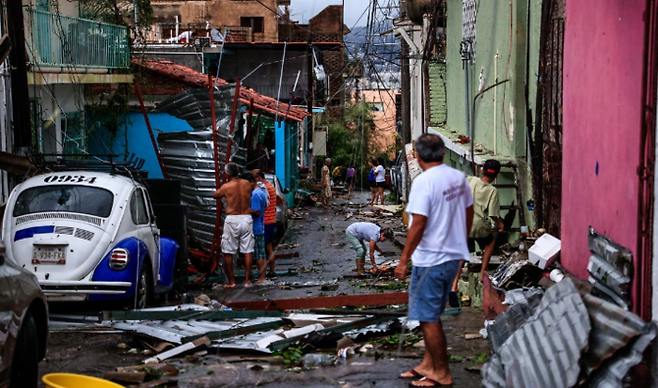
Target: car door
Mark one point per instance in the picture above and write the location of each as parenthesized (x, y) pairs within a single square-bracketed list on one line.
[(146, 230), (10, 314)]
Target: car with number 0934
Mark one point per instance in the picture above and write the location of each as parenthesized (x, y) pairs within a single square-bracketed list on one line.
[(88, 236)]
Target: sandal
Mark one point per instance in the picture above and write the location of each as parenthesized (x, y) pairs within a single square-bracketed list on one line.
[(410, 374)]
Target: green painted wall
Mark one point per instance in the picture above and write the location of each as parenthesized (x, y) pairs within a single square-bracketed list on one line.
[(500, 113)]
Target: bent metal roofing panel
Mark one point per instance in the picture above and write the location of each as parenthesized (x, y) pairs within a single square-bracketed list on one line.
[(194, 78)]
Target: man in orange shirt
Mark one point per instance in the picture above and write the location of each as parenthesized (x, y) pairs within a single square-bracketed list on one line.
[(270, 220)]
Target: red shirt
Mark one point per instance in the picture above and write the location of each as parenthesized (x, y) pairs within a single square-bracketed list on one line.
[(270, 212)]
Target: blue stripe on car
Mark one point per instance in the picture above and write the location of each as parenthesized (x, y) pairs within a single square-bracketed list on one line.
[(30, 232), (103, 272)]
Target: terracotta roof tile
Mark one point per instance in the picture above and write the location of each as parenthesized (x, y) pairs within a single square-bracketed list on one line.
[(196, 79)]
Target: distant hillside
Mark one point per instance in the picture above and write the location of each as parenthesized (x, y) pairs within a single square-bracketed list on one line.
[(384, 49)]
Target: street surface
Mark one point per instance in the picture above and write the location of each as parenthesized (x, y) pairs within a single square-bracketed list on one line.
[(323, 261)]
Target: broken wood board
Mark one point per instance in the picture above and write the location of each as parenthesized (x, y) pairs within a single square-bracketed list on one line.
[(203, 341)]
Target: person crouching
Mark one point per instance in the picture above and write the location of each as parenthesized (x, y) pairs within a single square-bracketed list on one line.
[(361, 232)]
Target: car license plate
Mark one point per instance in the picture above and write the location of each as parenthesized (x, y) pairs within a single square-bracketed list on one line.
[(49, 255)]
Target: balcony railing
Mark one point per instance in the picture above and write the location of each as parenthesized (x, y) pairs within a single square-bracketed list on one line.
[(168, 32), (64, 41)]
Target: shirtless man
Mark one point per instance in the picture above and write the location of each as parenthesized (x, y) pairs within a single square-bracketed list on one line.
[(238, 226)]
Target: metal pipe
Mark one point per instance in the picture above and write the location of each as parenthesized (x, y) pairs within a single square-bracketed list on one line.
[(229, 143), (148, 125)]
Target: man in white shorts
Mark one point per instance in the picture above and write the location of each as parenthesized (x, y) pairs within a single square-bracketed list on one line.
[(238, 226)]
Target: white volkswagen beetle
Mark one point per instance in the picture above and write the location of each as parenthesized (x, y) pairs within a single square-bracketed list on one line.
[(88, 236)]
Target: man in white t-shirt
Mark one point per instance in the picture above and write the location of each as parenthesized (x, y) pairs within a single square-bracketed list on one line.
[(441, 210), (380, 180)]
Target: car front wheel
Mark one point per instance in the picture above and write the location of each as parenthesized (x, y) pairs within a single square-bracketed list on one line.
[(25, 365)]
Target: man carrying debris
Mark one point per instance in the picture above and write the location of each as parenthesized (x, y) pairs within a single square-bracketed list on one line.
[(486, 205), (258, 207), (326, 182), (270, 220), (238, 225), (360, 232), (441, 210)]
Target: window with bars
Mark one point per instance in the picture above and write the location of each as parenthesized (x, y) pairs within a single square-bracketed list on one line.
[(74, 133)]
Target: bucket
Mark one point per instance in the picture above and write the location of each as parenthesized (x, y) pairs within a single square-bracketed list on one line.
[(69, 380)]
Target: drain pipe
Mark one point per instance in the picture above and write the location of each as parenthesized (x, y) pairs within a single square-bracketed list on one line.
[(465, 49)]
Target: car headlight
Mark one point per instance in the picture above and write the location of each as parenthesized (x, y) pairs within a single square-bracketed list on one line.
[(119, 259)]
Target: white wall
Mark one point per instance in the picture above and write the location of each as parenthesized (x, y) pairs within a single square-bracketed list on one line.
[(56, 101)]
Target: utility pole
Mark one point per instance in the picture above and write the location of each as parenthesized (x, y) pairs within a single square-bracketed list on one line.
[(19, 93), (405, 135)]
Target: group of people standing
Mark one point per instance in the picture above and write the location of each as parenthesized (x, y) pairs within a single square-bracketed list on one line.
[(250, 222), (377, 181)]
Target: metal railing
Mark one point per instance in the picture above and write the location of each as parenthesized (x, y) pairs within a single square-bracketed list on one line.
[(65, 41), (168, 32)]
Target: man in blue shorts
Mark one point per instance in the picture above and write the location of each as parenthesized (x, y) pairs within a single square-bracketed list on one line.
[(258, 207), (441, 210)]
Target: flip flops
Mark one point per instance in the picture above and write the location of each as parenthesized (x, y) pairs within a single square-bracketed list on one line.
[(432, 383), (412, 374)]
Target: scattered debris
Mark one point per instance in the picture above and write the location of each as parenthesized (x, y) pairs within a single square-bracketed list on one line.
[(610, 268), (584, 340)]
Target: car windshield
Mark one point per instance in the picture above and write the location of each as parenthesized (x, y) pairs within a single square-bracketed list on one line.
[(64, 198)]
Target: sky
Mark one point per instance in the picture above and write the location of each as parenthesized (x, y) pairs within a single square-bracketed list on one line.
[(303, 10)]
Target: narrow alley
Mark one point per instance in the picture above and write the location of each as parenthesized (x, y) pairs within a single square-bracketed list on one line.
[(325, 267)]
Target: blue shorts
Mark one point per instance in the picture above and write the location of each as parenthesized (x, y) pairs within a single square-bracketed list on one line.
[(428, 290), (269, 233), (259, 247)]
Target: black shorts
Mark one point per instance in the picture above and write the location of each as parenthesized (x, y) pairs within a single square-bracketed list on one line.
[(381, 184), (483, 242), (372, 184), (349, 179)]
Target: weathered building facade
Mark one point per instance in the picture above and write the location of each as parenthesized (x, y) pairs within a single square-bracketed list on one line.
[(245, 20)]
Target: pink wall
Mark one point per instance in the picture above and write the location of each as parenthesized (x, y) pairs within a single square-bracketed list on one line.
[(603, 61)]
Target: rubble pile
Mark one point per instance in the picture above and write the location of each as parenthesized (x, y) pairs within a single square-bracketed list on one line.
[(563, 339)]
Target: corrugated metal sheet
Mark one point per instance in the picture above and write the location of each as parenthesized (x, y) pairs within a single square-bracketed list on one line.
[(569, 339), (189, 156), (618, 339), (511, 320), (180, 331), (544, 352), (262, 103), (610, 267)]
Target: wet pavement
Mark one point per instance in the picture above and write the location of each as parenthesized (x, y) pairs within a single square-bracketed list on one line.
[(325, 267)]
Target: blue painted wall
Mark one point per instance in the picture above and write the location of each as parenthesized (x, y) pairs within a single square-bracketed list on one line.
[(134, 138)]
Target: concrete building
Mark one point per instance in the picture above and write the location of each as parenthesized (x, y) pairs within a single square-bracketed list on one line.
[(66, 54), (245, 20)]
